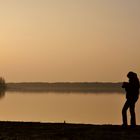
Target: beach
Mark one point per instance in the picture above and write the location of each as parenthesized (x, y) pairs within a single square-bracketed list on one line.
[(64, 131)]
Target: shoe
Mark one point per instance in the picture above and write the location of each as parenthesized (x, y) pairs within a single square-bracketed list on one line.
[(133, 126), (124, 126)]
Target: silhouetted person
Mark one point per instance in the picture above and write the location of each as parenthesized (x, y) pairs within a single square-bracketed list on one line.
[(132, 95)]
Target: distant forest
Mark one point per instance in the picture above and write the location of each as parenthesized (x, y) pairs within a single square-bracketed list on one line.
[(85, 87)]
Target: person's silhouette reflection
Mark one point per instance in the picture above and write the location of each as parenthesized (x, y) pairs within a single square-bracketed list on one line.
[(132, 95)]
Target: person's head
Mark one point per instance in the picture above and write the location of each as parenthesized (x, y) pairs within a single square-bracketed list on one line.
[(131, 75)]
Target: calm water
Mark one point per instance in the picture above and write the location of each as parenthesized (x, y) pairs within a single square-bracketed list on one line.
[(95, 108)]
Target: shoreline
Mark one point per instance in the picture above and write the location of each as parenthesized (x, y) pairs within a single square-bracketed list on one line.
[(10, 130)]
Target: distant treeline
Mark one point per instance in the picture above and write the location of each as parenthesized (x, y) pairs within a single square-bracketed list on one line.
[(85, 87)]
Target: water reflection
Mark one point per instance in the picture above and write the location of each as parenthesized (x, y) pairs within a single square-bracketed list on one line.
[(2, 93), (57, 107), (65, 92)]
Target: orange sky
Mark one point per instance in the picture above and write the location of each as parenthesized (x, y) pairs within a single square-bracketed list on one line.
[(69, 40)]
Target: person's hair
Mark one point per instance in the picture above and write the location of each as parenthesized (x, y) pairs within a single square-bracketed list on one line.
[(131, 75)]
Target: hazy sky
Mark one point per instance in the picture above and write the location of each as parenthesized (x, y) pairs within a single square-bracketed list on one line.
[(69, 40)]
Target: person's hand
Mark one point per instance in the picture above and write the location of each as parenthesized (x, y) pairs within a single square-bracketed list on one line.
[(124, 84)]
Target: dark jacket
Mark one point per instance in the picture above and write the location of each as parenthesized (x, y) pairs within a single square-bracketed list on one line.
[(132, 89)]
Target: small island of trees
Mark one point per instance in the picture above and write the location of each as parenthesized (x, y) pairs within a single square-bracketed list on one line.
[(2, 84)]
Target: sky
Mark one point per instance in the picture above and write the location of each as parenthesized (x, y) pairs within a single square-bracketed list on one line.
[(69, 40)]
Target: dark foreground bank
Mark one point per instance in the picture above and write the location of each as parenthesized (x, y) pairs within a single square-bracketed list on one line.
[(60, 131)]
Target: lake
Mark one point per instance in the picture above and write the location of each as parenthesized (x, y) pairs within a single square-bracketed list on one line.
[(93, 108)]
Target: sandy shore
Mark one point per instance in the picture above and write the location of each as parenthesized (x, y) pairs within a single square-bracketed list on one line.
[(61, 131)]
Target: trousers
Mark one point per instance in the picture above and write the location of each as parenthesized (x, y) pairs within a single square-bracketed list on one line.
[(131, 105)]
